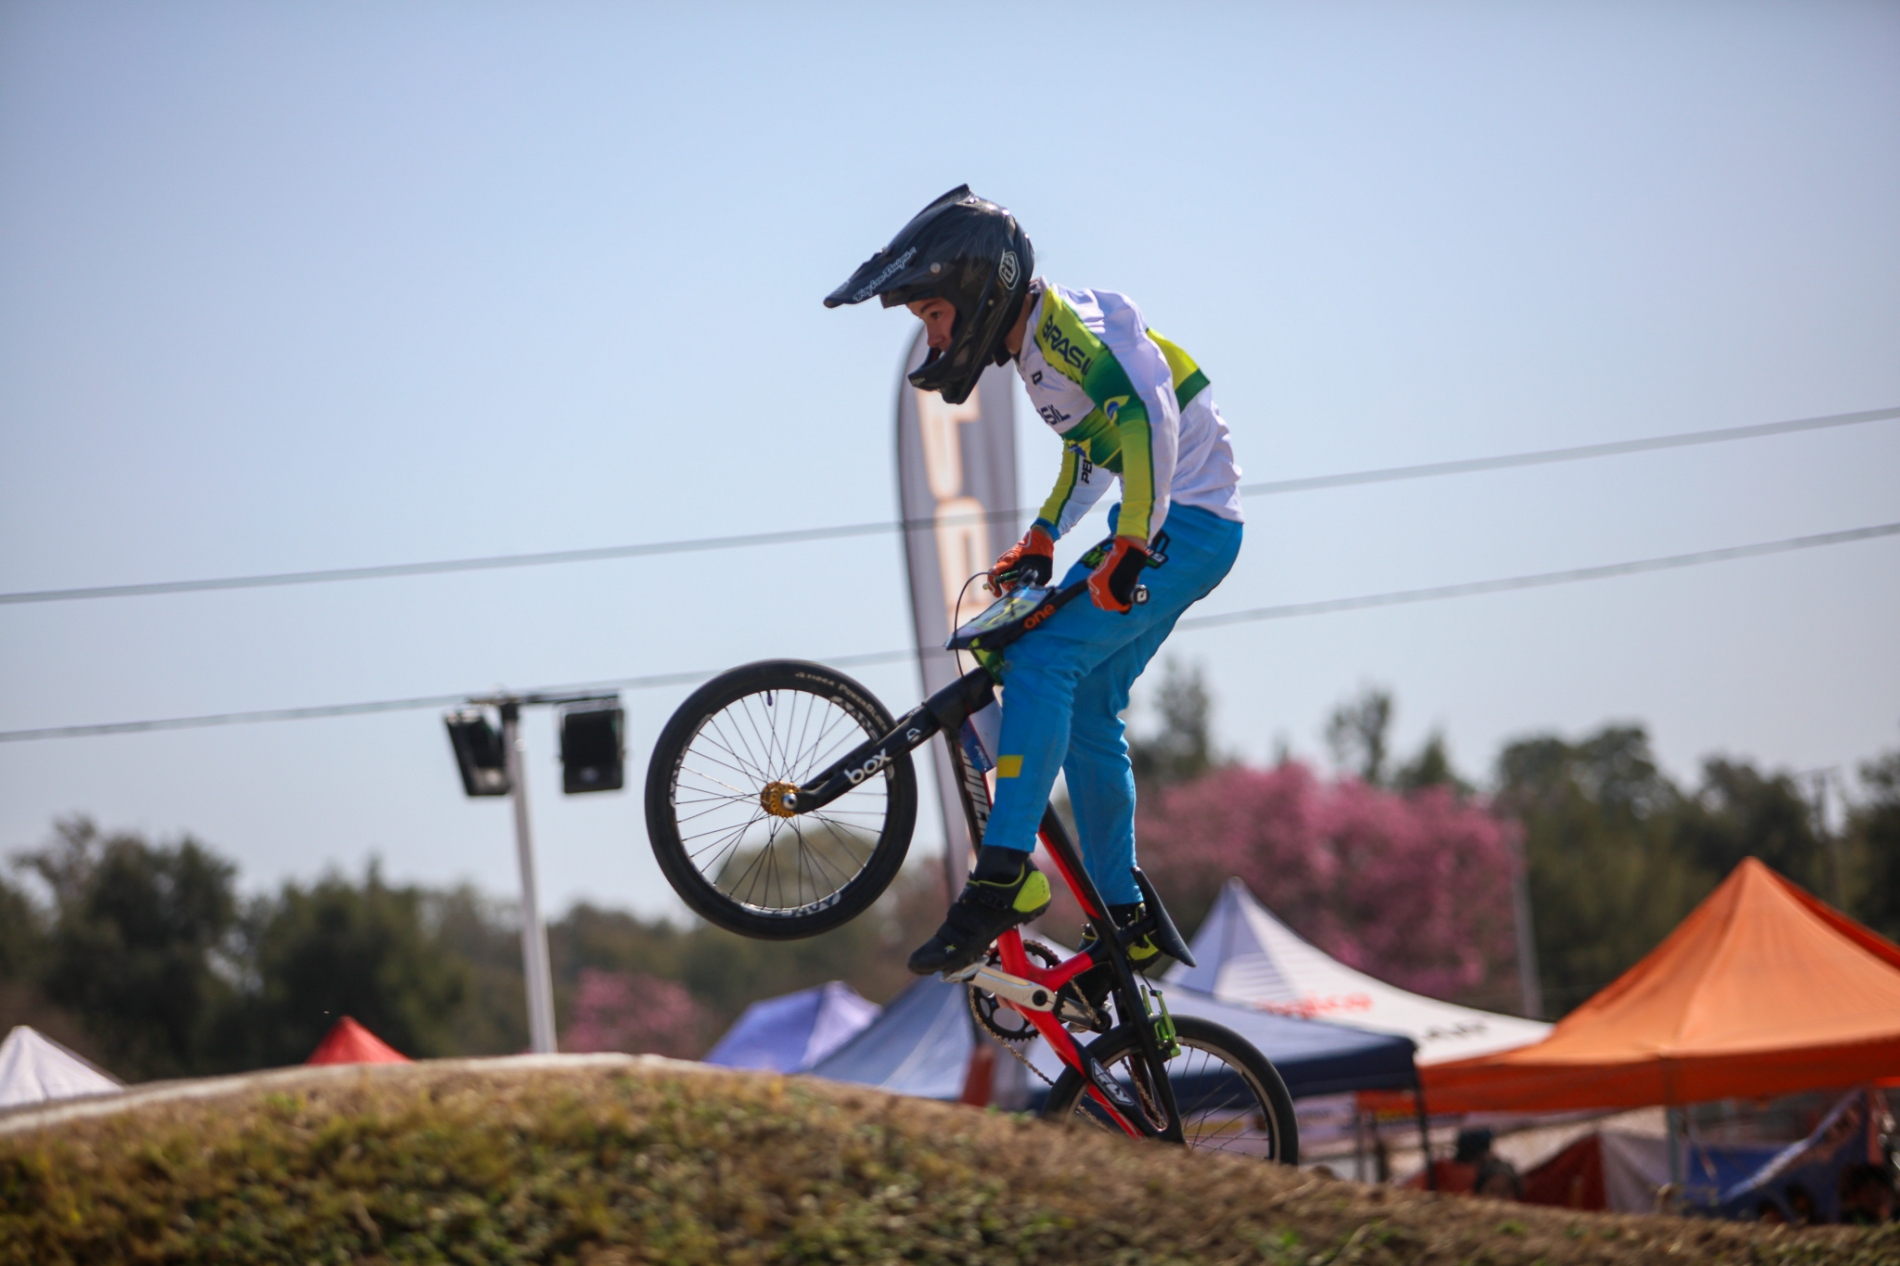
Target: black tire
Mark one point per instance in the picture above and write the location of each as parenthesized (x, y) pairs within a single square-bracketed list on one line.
[(1230, 1097), (743, 869)]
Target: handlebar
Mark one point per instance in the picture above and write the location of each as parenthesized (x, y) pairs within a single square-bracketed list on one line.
[(1064, 597), (1015, 614)]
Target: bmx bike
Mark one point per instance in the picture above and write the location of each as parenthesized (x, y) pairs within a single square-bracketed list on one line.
[(780, 801)]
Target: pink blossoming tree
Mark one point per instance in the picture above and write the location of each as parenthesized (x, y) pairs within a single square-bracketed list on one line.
[(635, 1013), (1414, 888)]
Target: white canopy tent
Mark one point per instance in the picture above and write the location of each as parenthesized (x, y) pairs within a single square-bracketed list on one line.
[(1248, 956), (36, 1069)]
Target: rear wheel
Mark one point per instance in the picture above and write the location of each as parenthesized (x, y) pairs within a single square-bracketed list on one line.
[(1230, 1097), (734, 860)]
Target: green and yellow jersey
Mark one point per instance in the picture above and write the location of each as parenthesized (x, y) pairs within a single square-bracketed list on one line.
[(1127, 403)]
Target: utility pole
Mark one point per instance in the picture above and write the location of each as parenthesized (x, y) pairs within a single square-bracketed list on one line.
[(534, 935), (1835, 882), (593, 758), (1530, 989)]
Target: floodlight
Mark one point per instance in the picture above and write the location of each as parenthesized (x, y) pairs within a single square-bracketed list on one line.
[(593, 750), (478, 753)]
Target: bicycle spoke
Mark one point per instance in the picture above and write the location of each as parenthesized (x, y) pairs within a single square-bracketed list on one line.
[(738, 804), (827, 816), (781, 737), (737, 769), (727, 851), (807, 853), (771, 864), (700, 774), (841, 835), (751, 870), (811, 707), (722, 833), (717, 808), (819, 759), (1222, 1106), (768, 713), (752, 723), (731, 742), (810, 751)]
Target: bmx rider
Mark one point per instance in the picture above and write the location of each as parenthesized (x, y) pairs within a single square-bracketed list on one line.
[(1128, 405)]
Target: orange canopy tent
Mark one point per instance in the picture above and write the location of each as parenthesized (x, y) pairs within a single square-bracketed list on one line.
[(1763, 990), (348, 1042)]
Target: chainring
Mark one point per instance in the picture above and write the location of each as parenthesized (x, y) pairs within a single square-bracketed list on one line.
[(999, 1020)]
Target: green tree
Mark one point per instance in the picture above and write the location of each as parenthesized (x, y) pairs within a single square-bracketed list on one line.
[(135, 950), (1357, 733), (336, 949), (1608, 878), (1739, 812), (22, 937), (484, 935), (1183, 748), (1873, 846), (725, 972), (1432, 767)]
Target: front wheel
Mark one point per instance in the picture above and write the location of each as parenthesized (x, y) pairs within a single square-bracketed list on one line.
[(718, 773), (1231, 1098)]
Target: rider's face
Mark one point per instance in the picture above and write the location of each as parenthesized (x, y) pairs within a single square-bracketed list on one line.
[(939, 317)]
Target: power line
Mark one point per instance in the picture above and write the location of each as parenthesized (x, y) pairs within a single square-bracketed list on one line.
[(498, 562), (1537, 580), (1545, 457), (650, 681), (1281, 612)]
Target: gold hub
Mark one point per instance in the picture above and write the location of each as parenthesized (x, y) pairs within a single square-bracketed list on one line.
[(780, 799)]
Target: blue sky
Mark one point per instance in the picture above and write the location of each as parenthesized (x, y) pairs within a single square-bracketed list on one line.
[(306, 286)]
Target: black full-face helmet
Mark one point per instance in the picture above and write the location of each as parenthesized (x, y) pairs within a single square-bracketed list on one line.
[(966, 250)]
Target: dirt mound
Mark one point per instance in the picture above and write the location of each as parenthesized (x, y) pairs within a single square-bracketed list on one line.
[(650, 1160)]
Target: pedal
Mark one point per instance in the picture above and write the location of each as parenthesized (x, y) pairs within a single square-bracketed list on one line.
[(1013, 989)]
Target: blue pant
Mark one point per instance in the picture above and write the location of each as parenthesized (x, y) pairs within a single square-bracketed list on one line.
[(1065, 687)]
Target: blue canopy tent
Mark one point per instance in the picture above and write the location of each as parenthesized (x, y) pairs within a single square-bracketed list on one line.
[(1735, 1181), (919, 1046), (1313, 1057), (923, 1042), (790, 1033)]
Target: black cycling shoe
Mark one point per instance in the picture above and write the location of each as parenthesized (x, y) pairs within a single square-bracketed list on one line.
[(1143, 955), (992, 902)]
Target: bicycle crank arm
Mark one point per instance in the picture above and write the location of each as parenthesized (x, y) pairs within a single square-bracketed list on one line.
[(1026, 994)]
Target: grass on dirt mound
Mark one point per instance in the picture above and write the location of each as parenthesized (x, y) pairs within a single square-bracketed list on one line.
[(659, 1162)]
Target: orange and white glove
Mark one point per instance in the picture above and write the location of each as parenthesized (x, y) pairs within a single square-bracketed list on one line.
[(1112, 583), (1032, 560)]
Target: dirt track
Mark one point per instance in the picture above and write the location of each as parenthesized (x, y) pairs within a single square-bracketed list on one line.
[(649, 1160)]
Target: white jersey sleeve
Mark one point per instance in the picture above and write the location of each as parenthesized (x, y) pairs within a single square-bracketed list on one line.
[(1126, 403)]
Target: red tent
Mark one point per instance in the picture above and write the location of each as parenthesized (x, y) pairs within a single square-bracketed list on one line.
[(1572, 1179), (348, 1042), (1763, 990)]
